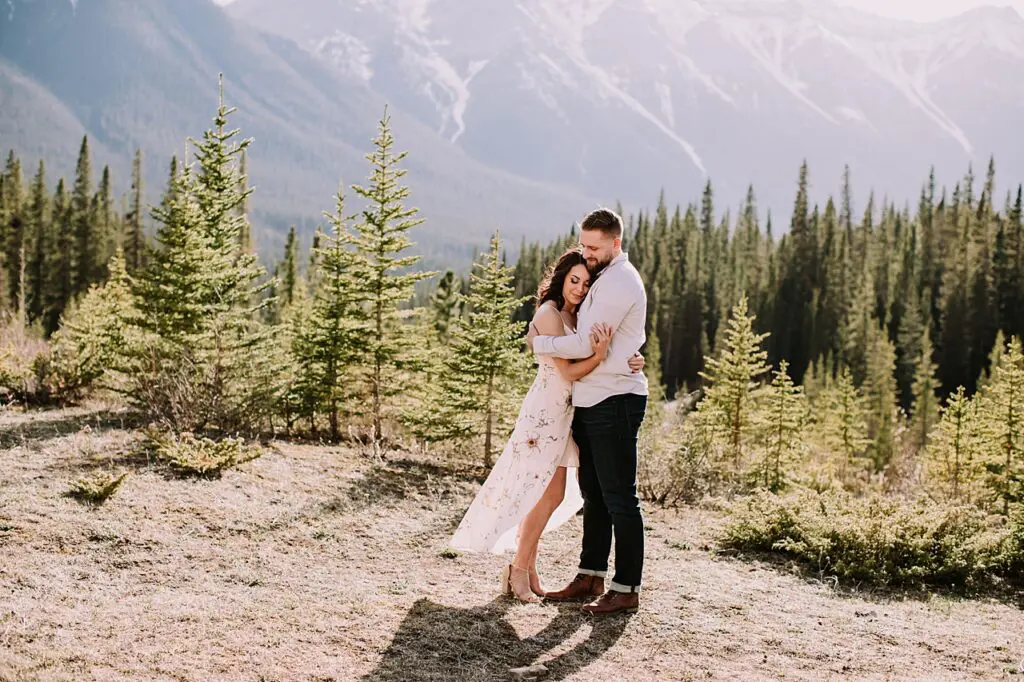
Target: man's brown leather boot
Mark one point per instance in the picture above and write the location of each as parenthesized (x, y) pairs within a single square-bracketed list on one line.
[(613, 602), (582, 587)]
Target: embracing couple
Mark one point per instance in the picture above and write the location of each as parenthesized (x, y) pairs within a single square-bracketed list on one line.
[(575, 440)]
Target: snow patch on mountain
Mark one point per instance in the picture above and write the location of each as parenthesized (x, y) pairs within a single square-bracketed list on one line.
[(910, 59), (766, 42), (665, 102), (856, 115), (604, 81), (891, 63), (532, 80), (413, 16), (565, 24), (694, 71), (458, 110), (677, 17), (349, 54), (448, 91)]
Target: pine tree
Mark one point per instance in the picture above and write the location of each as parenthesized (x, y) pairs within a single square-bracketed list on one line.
[(421, 411), (792, 328), (172, 183), (690, 346), (842, 424), (196, 300), (299, 370), (60, 263), (134, 238), (859, 324), (880, 394), (925, 392), (245, 234), (446, 306), (1011, 281), (830, 297), (89, 347), (1001, 420), (709, 275), (335, 335), (13, 232), (995, 359), (485, 353), (178, 267), (928, 266), (652, 368), (982, 317), (380, 239), (311, 266), (82, 219), (729, 405), (289, 274), (784, 416), (41, 245), (817, 379), (954, 451), (104, 226), (909, 344), (882, 249)]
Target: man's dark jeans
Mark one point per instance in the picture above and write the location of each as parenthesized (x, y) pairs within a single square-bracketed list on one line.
[(607, 438)]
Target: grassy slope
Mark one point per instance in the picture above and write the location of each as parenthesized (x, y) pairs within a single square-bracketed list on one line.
[(309, 564)]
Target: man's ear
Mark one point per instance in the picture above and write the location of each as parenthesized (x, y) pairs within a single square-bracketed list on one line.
[(618, 243)]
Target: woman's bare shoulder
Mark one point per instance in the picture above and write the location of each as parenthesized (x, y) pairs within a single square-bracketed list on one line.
[(547, 320)]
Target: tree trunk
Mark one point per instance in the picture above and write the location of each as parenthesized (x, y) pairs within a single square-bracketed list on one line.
[(490, 422), (377, 430), (22, 313), (334, 419)]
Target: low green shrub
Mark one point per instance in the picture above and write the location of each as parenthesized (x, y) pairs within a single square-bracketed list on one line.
[(878, 539), (95, 489), (192, 455)]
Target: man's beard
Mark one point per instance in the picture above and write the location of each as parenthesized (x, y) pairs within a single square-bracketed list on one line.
[(597, 268)]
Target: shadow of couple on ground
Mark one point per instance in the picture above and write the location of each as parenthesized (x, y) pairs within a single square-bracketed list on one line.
[(437, 642)]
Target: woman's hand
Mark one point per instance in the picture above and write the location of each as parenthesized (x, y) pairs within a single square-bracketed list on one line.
[(636, 363), (600, 339)]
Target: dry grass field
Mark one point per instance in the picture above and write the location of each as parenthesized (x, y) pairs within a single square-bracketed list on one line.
[(312, 563)]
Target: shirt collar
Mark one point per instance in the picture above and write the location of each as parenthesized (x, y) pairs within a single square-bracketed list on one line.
[(621, 258)]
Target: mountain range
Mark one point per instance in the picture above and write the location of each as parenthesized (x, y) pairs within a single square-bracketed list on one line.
[(623, 97), (522, 114), (133, 73)]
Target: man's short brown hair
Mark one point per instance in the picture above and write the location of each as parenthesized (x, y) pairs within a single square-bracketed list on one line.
[(605, 220)]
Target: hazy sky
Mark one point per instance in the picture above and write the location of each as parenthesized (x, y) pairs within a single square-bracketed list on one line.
[(921, 10), (927, 9)]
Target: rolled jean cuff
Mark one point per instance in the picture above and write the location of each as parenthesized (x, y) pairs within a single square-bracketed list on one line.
[(616, 587), (597, 574)]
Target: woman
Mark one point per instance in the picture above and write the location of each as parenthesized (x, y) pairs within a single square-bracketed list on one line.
[(529, 491)]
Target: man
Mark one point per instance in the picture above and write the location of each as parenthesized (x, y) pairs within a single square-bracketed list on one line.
[(610, 404)]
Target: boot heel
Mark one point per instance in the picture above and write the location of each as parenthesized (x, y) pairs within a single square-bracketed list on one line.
[(526, 596), (506, 580)]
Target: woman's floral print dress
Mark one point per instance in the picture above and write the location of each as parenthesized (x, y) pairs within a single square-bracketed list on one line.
[(540, 442)]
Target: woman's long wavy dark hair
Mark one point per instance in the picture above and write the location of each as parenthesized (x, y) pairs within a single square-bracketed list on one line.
[(553, 283)]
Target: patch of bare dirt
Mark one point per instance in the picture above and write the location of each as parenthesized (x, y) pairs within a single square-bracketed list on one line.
[(311, 563)]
